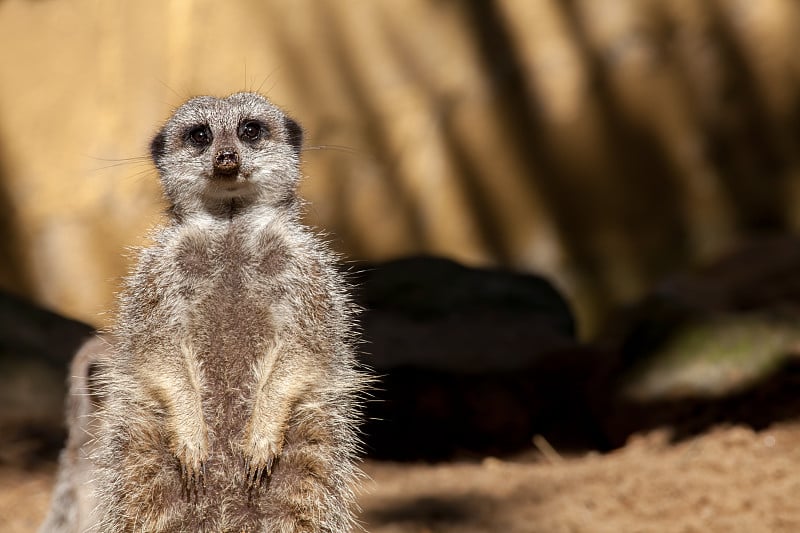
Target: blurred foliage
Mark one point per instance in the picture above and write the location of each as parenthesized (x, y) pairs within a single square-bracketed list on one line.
[(713, 356), (601, 143)]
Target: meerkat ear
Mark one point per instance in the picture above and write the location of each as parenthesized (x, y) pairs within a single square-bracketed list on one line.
[(158, 148), (295, 134)]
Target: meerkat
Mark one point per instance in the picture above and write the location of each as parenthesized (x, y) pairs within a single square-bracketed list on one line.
[(73, 498), (231, 394)]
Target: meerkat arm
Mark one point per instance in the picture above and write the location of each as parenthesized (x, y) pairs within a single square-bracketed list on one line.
[(176, 384), (278, 390)]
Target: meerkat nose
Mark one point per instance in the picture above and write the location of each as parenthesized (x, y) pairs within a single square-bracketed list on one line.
[(226, 161)]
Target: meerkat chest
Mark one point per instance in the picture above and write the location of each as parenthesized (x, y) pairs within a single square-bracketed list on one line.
[(229, 263), (234, 288)]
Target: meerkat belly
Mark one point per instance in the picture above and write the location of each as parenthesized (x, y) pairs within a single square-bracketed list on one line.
[(231, 328)]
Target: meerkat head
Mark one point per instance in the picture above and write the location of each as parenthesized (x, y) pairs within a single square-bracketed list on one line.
[(217, 153)]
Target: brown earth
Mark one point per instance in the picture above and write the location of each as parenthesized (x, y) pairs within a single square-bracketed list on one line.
[(730, 479)]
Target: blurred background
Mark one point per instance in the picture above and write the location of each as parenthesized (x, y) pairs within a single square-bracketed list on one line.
[(604, 145), (569, 221)]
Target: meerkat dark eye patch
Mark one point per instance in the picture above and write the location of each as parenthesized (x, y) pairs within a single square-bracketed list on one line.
[(252, 130), (294, 134), (158, 147), (199, 135)]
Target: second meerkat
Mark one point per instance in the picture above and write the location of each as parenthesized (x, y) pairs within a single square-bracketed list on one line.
[(231, 397)]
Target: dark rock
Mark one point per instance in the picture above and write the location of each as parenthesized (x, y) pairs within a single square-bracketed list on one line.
[(717, 329), (720, 344), (433, 313), (471, 361), (36, 346)]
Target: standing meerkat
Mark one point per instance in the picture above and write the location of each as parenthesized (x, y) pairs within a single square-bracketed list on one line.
[(231, 396), (73, 498)]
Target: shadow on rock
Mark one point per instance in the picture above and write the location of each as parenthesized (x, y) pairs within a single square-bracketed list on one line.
[(36, 346), (473, 362)]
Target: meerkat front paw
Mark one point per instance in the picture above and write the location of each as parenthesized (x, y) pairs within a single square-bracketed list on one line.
[(191, 461), (260, 455)]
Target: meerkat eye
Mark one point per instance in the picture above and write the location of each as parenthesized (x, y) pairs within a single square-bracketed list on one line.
[(251, 130), (200, 135)]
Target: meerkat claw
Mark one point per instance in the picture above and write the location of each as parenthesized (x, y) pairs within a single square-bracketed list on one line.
[(256, 474), (193, 479)]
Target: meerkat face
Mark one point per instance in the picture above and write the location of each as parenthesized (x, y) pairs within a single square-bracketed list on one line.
[(214, 152)]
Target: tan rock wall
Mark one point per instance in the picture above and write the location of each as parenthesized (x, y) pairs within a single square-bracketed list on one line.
[(603, 143)]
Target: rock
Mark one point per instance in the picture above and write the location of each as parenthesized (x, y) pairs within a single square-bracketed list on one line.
[(718, 329), (36, 346), (471, 361), (717, 345), (433, 313), (714, 356)]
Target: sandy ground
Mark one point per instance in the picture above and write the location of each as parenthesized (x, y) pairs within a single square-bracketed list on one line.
[(729, 480)]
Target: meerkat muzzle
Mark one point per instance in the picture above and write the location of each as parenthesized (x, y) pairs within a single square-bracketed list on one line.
[(226, 161)]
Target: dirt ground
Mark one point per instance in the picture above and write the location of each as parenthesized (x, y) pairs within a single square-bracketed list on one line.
[(730, 479)]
